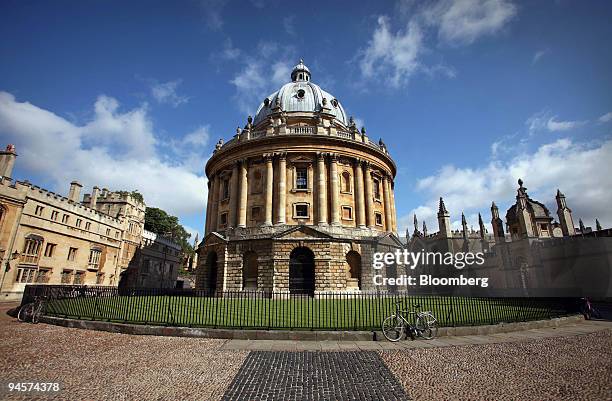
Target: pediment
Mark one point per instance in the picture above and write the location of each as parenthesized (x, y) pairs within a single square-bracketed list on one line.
[(300, 232), (214, 238), (390, 239)]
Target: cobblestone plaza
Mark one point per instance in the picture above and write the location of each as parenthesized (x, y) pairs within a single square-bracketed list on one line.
[(568, 362)]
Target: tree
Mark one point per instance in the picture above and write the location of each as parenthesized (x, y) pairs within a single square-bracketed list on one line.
[(160, 222)]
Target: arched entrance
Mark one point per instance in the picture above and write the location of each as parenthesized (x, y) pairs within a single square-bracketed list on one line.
[(211, 272), (249, 271), (353, 279), (301, 271)]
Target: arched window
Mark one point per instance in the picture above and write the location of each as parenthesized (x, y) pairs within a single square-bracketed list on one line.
[(346, 182), (31, 249), (250, 271), (353, 275)]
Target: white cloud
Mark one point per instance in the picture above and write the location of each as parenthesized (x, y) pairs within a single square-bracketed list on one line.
[(166, 93), (544, 121), (553, 125), (212, 13), (289, 24), (394, 55), (260, 74), (115, 149), (606, 117), (580, 171), (464, 21), (538, 55)]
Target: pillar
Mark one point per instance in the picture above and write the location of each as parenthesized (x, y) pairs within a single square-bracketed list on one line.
[(269, 189), (393, 211), (369, 197), (335, 206), (242, 198), (214, 207), (387, 203), (360, 213), (233, 197), (282, 189), (322, 188), (208, 205)]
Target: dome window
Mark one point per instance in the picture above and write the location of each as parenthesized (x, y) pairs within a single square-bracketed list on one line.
[(334, 102), (301, 93), (267, 102)]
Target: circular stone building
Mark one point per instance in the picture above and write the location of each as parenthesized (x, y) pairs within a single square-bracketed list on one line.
[(298, 200)]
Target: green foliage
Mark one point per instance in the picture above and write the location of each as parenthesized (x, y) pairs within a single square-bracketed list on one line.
[(160, 222)]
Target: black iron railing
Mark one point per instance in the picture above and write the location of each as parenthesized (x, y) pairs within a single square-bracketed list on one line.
[(267, 310)]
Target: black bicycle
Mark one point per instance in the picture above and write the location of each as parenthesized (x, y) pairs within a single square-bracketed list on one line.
[(33, 311), (422, 324)]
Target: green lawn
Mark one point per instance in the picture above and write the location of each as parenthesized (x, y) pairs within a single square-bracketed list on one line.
[(361, 313)]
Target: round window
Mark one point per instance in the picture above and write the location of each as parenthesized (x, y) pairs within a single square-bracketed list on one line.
[(334, 102), (267, 102), (301, 93)]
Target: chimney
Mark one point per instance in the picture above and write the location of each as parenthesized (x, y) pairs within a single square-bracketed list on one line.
[(94, 197), (7, 161), (104, 192), (75, 191)]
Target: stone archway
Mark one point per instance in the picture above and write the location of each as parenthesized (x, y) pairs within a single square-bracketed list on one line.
[(211, 272), (301, 271), (353, 276), (249, 271)]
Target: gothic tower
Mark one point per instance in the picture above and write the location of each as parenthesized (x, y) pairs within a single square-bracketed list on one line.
[(565, 215)]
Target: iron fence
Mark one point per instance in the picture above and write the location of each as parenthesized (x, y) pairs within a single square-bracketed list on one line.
[(267, 310)]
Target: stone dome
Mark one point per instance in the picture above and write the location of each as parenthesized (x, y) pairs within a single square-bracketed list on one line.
[(301, 96)]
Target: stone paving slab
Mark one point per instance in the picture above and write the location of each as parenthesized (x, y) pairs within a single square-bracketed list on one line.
[(310, 376)]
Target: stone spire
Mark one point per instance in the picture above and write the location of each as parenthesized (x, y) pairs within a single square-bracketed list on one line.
[(522, 212), (565, 215), (416, 225), (582, 227), (424, 229), (466, 246), (444, 226), (597, 225), (481, 225)]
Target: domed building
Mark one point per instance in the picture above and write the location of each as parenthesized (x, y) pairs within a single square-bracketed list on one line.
[(298, 199)]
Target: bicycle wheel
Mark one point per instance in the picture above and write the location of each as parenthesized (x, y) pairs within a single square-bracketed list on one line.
[(25, 313), (427, 326), (393, 328)]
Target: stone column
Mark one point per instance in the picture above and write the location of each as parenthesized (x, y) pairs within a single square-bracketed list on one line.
[(282, 189), (234, 197), (322, 188), (360, 213), (208, 206), (269, 189), (335, 207), (214, 207), (242, 199), (387, 203), (369, 197), (393, 211)]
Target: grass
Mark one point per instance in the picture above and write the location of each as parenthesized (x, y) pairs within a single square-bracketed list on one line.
[(362, 313)]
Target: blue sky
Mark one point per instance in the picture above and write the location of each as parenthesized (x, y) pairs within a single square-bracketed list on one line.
[(468, 95)]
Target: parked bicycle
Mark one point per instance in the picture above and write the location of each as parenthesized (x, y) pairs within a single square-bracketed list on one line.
[(33, 311), (588, 310), (414, 323)]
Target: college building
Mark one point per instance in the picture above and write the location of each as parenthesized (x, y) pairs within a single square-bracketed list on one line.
[(47, 238)]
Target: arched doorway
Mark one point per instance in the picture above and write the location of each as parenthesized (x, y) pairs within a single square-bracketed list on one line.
[(249, 271), (211, 272), (301, 271), (353, 276)]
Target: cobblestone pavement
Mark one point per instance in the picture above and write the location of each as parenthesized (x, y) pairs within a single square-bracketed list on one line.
[(91, 365), (305, 376), (94, 365), (563, 368)]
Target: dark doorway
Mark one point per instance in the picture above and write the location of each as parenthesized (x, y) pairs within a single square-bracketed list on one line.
[(211, 272), (301, 271), (249, 271)]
